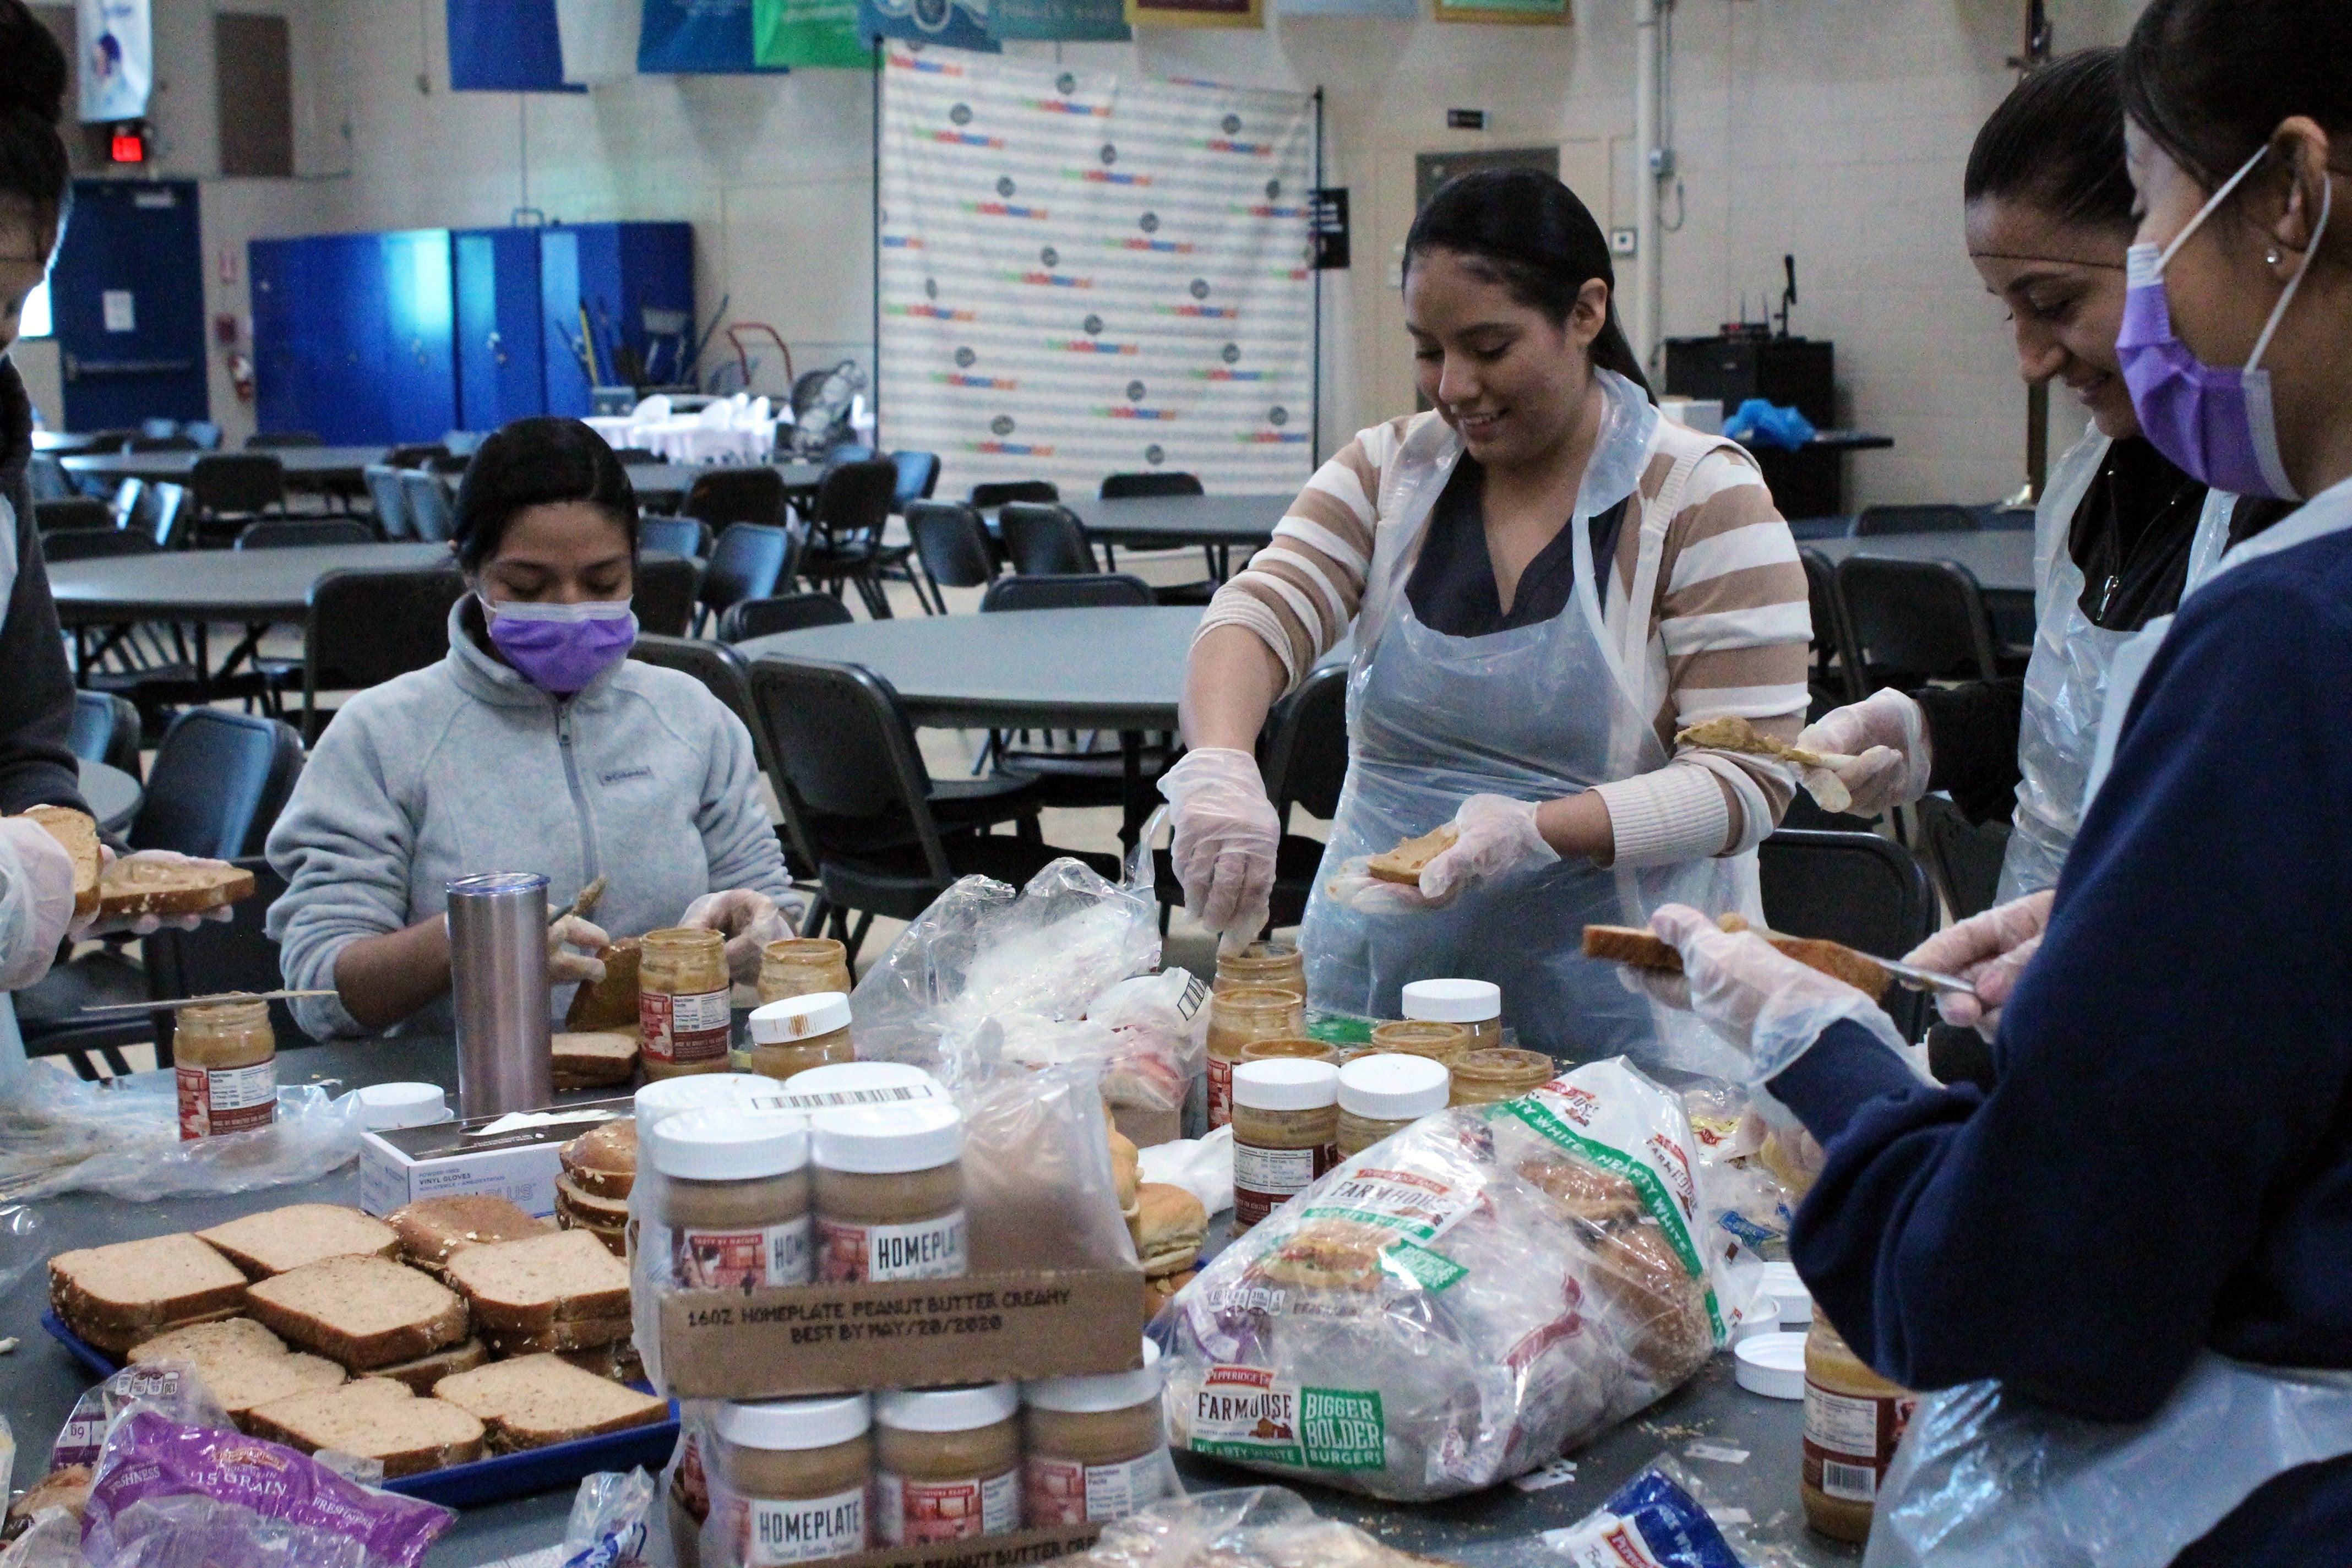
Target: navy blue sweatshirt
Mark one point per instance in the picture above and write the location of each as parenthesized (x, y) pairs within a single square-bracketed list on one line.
[(2165, 1159)]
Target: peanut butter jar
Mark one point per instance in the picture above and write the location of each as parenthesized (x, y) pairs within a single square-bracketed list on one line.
[(1239, 1018), (1381, 1095), (683, 990), (1094, 1448), (802, 966), (1482, 1077), (734, 1198), (1278, 965), (1286, 1134), (802, 1471), (224, 1059), (798, 1033), (946, 1464), (889, 1192), (1476, 1004)]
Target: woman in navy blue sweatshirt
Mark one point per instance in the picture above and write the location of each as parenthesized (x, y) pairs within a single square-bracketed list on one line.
[(2163, 1166)]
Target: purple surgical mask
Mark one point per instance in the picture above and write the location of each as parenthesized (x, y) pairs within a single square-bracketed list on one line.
[(562, 647), (2215, 423)]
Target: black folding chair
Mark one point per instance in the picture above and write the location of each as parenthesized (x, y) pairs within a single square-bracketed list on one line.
[(1928, 519), (1913, 622), (747, 562), (919, 476), (414, 455), (80, 513), (664, 602), (91, 544), (104, 729), (368, 625), (1831, 642), (853, 504), (384, 489), (1858, 889), (951, 545), (679, 535), (851, 776), (749, 618), (1087, 772), (1963, 857), (723, 496), (1095, 591), (290, 533), (1002, 493), (725, 676), (1044, 541), (233, 489), (1117, 486)]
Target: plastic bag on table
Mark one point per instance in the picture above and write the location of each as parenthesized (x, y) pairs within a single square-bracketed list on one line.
[(1157, 1085), (58, 1134), (1455, 1306), (1247, 1527), (612, 1516), (1660, 1519)]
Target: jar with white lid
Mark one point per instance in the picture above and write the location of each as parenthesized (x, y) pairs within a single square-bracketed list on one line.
[(1285, 1132), (1381, 1095), (846, 1086), (1476, 1004), (796, 1033), (946, 1464), (1094, 1448), (889, 1192), (734, 1198), (799, 1470), (669, 1096)]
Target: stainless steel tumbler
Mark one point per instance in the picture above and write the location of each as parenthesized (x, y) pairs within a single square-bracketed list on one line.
[(498, 961)]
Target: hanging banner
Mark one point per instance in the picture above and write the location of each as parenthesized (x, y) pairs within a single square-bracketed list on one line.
[(696, 37), (1195, 14), (600, 40), (117, 47), (506, 46), (957, 24), (1085, 273), (1060, 21), (809, 33), (1536, 13), (1407, 9)]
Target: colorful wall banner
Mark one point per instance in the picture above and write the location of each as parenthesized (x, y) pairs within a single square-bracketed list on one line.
[(696, 36), (957, 24), (1408, 9), (600, 40), (1085, 274), (1060, 21), (809, 33), (116, 45), (1535, 12), (1195, 14), (506, 46)]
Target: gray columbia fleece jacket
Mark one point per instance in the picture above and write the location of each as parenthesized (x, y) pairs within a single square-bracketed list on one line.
[(465, 767)]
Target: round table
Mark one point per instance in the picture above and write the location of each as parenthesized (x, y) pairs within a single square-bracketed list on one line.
[(1217, 523), (306, 465), (112, 795), (246, 585), (39, 1383)]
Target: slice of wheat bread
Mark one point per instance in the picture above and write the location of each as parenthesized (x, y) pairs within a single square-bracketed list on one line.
[(535, 1400), (376, 1418), (603, 1161), (241, 1363), (578, 1334), (151, 1285), (425, 1371), (1641, 949), (610, 1003), (593, 1060), (615, 1237), (79, 835), (277, 1240), (528, 1287), (133, 887), (1406, 861), (120, 1342), (588, 1207), (616, 1362), (365, 1312), (430, 1229)]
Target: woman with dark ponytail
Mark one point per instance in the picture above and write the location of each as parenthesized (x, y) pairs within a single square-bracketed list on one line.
[(1546, 582), (2123, 1273)]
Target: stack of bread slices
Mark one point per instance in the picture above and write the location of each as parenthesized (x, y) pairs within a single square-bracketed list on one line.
[(600, 1166)]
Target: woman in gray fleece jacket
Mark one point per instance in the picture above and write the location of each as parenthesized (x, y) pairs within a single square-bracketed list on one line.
[(536, 745)]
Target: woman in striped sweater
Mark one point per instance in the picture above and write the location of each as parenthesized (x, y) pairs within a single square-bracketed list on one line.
[(1499, 683)]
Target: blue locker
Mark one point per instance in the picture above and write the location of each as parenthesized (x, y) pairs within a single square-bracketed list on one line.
[(128, 298), (354, 336), (420, 336), (612, 275), (499, 376)]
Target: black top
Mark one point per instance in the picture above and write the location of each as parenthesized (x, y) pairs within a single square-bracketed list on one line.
[(1451, 588), (36, 701)]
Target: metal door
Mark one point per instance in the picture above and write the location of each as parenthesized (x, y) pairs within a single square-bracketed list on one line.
[(128, 298), (498, 334)]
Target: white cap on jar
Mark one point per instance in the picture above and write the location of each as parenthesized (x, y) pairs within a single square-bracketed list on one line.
[(702, 1091), (384, 1106), (1453, 1001), (877, 1080), (1392, 1087), (1286, 1083), (916, 1136), (948, 1409), (727, 1145), (799, 1018), (793, 1424), (1103, 1391)]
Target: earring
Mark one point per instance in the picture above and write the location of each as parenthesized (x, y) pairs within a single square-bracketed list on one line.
[(2274, 256)]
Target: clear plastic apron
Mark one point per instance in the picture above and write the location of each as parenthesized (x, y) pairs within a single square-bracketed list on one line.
[(1984, 1480), (1534, 713), (2066, 681)]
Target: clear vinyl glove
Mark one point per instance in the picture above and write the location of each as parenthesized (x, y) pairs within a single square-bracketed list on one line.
[(1226, 832), (1767, 1005), (567, 964), (99, 925), (48, 872), (1886, 735), (748, 920), (1493, 834), (1990, 951)]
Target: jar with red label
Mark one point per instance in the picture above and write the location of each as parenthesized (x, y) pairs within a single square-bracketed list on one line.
[(1285, 1132), (794, 1477), (734, 1208), (1094, 1448), (683, 990), (1853, 1419), (225, 1059), (889, 1192), (946, 1464)]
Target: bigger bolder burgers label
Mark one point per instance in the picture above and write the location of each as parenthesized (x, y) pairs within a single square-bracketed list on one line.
[(1250, 1413)]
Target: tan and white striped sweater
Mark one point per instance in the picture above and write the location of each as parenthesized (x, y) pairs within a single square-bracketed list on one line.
[(1725, 631)]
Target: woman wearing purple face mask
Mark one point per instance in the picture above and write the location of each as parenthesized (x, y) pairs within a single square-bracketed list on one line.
[(536, 745), (2122, 1273)]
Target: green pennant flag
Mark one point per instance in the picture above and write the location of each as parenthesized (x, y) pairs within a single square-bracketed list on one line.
[(809, 33)]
